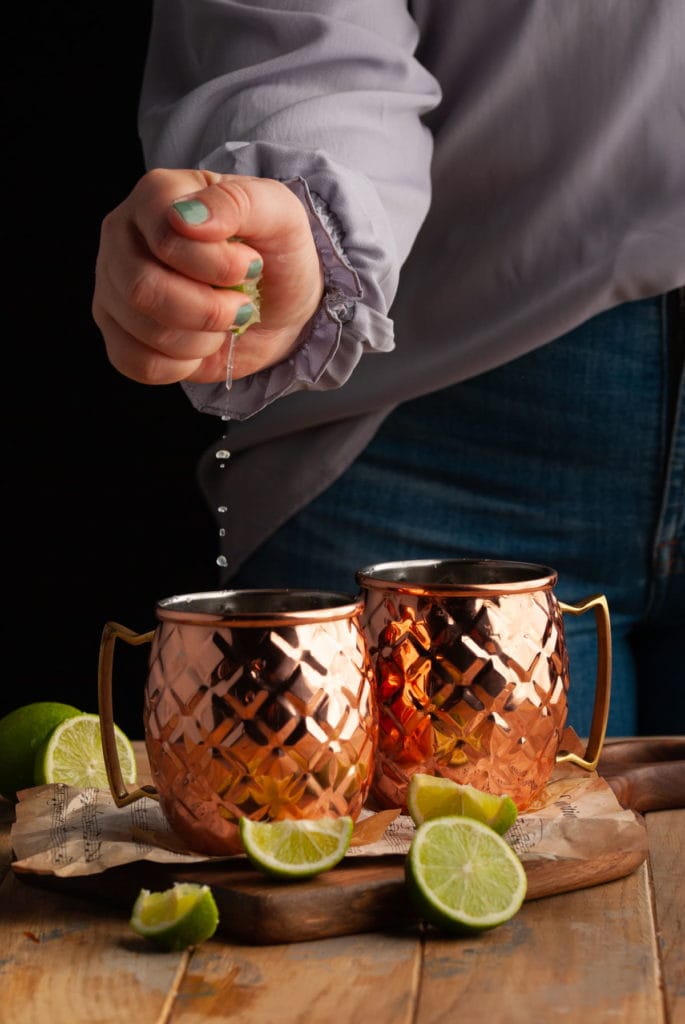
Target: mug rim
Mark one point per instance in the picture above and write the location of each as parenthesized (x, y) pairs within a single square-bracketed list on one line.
[(432, 576), (260, 606)]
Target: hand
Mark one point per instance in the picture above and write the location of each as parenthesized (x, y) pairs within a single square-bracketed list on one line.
[(161, 298)]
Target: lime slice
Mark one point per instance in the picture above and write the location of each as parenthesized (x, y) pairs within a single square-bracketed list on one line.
[(22, 731), (73, 754), (431, 797), (462, 876), (176, 918), (296, 849)]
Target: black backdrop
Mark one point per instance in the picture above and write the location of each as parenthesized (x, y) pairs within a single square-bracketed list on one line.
[(102, 510)]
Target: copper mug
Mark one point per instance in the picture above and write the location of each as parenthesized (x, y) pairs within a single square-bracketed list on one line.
[(472, 674), (258, 703)]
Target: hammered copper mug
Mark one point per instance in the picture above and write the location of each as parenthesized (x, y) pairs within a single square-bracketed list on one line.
[(257, 703), (472, 674)]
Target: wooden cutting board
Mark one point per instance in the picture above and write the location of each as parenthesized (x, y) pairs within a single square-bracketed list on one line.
[(362, 895), (368, 893)]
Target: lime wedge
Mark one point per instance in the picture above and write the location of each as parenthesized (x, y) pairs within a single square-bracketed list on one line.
[(431, 797), (73, 754), (22, 731), (176, 918), (296, 849), (251, 289), (462, 876)]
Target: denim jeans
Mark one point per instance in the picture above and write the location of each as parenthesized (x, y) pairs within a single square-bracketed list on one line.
[(572, 456)]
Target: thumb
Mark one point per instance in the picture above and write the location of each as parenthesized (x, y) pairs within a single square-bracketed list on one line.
[(260, 211)]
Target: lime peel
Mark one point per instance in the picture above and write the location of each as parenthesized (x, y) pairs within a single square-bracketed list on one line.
[(431, 796), (22, 732)]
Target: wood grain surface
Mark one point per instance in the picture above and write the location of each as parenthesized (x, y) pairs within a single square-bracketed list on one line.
[(610, 952), (614, 952), (646, 774), (364, 894)]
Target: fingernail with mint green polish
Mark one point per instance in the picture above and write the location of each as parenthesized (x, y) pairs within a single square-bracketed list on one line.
[(254, 269), (243, 314), (193, 211)]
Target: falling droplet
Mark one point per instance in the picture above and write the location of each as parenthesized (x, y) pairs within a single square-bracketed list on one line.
[(223, 454)]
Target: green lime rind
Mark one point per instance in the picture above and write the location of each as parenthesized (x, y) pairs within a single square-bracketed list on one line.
[(22, 732), (462, 876), (175, 919), (296, 849), (499, 812), (433, 797), (72, 754)]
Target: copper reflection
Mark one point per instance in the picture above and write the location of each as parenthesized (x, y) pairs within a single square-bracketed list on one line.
[(471, 674), (267, 714)]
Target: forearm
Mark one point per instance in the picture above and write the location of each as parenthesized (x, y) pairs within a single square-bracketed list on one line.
[(330, 94)]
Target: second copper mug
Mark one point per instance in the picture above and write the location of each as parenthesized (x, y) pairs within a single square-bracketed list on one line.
[(258, 703), (472, 674)]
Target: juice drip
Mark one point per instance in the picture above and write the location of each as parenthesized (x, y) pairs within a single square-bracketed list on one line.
[(230, 359), (222, 453)]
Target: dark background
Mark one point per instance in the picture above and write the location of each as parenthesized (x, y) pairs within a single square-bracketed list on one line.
[(103, 514)]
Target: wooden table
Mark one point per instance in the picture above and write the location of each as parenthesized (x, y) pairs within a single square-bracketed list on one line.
[(614, 952)]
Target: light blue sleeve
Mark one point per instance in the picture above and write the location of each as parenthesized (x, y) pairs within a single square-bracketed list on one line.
[(328, 97)]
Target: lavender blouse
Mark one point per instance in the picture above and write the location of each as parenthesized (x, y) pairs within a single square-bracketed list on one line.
[(481, 176)]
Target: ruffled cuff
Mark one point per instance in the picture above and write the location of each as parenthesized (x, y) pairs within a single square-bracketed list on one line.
[(317, 362)]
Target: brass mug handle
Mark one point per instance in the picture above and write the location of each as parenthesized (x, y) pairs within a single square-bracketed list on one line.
[(120, 793), (600, 711)]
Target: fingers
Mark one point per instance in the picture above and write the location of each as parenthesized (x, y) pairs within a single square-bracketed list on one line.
[(158, 324), (136, 286), (221, 230), (218, 260), (260, 211), (168, 258), (138, 361)]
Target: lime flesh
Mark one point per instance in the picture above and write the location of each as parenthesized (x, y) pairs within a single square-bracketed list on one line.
[(251, 290), (296, 848), (176, 918), (462, 876), (73, 754), (429, 797)]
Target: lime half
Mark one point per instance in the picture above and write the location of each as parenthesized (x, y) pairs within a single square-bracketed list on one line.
[(176, 918), (431, 797), (73, 754), (462, 876), (296, 848), (22, 732)]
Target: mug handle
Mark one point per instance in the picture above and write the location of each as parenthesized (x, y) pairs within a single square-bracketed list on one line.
[(120, 793), (600, 711)]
